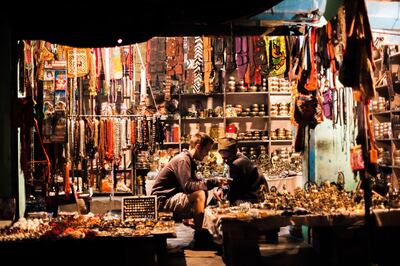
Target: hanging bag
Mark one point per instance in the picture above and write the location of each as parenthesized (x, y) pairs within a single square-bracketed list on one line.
[(78, 62)]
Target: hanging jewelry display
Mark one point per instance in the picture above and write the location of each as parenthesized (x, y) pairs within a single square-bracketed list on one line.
[(139, 133)]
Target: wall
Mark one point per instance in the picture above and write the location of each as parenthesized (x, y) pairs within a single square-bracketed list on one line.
[(332, 148), (6, 183)]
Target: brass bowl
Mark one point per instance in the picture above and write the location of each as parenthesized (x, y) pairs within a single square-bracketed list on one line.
[(252, 88)]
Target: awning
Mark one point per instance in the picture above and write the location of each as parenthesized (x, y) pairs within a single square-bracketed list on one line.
[(101, 25)]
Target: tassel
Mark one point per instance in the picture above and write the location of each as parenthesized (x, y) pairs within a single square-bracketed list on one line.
[(67, 181), (96, 134), (82, 138)]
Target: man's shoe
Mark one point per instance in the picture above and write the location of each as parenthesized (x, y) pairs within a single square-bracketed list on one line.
[(189, 223), (203, 240)]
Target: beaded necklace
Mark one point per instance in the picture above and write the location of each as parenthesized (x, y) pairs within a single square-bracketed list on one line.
[(76, 143), (110, 139), (117, 137), (82, 138), (96, 134), (133, 131), (102, 140), (139, 132), (123, 133)]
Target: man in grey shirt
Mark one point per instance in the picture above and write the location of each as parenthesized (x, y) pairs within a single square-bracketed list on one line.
[(177, 187)]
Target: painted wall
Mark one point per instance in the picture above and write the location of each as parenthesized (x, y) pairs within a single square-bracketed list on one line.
[(332, 148)]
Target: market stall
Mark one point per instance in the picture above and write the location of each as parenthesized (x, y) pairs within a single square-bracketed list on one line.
[(315, 113), (337, 228), (99, 239)]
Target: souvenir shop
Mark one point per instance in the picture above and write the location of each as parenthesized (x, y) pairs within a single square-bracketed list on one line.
[(313, 106)]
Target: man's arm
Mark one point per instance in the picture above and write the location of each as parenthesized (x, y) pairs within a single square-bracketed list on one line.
[(189, 183)]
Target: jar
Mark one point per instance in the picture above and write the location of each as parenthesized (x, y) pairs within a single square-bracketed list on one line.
[(273, 135), (214, 132), (274, 113), (221, 130)]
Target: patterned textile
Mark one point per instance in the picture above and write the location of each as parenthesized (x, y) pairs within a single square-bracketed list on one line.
[(276, 54), (188, 61), (241, 56), (198, 64)]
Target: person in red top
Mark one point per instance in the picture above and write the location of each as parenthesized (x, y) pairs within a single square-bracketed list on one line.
[(180, 191)]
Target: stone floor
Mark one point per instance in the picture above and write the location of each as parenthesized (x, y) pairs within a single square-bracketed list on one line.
[(179, 252), (288, 251)]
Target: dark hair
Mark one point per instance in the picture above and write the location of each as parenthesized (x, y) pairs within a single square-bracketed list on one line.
[(200, 138)]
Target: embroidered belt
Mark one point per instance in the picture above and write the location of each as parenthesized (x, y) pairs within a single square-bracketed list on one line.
[(219, 62), (230, 54), (156, 62), (174, 52), (241, 56), (189, 62), (249, 76), (260, 59), (198, 65), (208, 66)]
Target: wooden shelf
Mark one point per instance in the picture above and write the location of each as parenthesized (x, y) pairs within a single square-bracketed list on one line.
[(280, 117), (201, 118), (252, 141), (247, 117), (282, 141), (248, 93), (385, 166), (383, 113), (395, 111), (277, 93), (392, 56), (202, 94), (170, 143), (383, 139), (168, 118)]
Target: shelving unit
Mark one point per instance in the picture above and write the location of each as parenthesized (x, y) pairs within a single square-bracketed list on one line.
[(382, 118), (201, 118), (279, 121)]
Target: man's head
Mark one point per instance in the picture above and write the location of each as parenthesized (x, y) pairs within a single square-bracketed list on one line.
[(200, 144), (227, 147)]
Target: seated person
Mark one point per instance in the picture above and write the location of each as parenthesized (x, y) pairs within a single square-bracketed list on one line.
[(180, 191), (246, 179)]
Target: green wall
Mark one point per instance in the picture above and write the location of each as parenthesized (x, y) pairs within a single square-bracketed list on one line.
[(332, 148)]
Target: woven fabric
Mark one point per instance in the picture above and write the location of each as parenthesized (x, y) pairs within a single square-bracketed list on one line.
[(78, 62)]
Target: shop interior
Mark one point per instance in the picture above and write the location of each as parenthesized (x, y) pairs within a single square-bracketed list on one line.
[(309, 91)]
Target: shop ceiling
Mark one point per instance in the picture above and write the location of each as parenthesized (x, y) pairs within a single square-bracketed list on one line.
[(101, 25), (96, 25)]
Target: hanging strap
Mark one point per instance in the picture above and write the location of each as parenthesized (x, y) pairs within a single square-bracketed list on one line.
[(312, 83), (331, 51), (208, 66), (189, 60), (198, 67), (43, 149)]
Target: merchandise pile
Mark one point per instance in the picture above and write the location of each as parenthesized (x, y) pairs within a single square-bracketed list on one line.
[(73, 225)]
